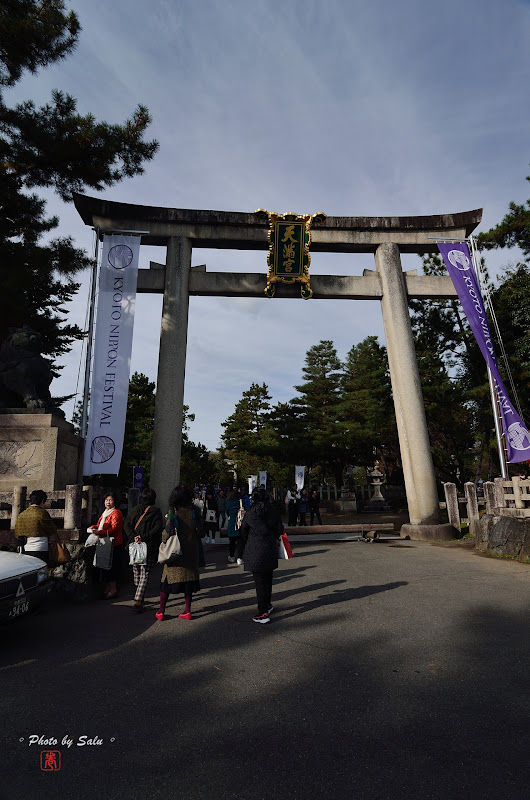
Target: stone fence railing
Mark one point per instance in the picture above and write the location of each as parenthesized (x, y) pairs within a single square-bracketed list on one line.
[(502, 499)]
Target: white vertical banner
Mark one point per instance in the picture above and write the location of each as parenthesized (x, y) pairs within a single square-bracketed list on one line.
[(252, 483), (299, 477), (263, 479), (112, 354)]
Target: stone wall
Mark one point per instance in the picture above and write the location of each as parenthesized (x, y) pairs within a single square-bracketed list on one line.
[(505, 536)]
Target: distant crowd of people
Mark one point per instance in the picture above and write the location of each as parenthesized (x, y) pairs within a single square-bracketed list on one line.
[(253, 526)]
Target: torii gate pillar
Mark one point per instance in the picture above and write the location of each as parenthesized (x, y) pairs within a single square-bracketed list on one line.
[(416, 457), (167, 433)]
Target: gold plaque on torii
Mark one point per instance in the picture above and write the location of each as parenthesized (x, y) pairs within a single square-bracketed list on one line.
[(288, 258)]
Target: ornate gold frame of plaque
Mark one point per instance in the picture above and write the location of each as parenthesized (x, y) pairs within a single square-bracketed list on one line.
[(288, 258)]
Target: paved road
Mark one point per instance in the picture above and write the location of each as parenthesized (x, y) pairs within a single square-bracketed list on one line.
[(390, 671)]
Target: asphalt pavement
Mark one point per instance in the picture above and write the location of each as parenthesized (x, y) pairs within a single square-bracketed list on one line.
[(395, 669)]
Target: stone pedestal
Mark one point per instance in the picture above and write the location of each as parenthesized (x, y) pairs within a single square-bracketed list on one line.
[(40, 451), (348, 501)]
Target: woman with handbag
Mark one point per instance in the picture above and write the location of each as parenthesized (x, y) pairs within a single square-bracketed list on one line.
[(261, 530), (144, 524), (210, 518), (110, 523), (181, 574)]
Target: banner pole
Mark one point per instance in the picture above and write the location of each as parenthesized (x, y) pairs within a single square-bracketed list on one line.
[(493, 393), (86, 390)]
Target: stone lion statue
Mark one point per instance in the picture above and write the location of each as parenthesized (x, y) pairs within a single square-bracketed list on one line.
[(25, 376)]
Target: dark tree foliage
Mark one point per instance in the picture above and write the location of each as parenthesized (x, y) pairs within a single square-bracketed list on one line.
[(318, 404), (366, 412), (138, 436), (511, 304), (454, 376), (343, 413), (50, 147), (513, 231), (249, 438), (35, 34)]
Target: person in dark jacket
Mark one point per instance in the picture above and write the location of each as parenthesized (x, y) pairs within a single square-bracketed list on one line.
[(314, 506), (303, 505), (261, 529), (144, 524)]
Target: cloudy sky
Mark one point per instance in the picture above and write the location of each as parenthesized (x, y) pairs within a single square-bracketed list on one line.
[(350, 107)]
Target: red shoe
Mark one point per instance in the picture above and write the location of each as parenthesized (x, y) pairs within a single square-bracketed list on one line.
[(185, 616), (159, 615)]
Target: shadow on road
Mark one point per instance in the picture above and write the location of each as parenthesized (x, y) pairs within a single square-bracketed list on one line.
[(373, 695)]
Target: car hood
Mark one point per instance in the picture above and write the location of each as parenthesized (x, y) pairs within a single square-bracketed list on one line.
[(14, 564)]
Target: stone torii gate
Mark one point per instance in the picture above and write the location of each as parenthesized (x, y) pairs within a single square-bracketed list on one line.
[(179, 230)]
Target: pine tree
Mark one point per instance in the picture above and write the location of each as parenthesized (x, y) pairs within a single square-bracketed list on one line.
[(50, 147), (318, 404), (366, 412), (249, 438)]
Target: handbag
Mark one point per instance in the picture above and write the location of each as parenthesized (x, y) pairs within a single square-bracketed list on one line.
[(210, 515), (103, 554), (138, 554), (284, 547), (58, 554), (169, 550)]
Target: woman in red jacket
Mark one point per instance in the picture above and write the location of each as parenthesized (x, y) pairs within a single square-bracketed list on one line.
[(110, 523)]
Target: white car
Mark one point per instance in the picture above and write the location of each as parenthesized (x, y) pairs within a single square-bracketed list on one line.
[(23, 584)]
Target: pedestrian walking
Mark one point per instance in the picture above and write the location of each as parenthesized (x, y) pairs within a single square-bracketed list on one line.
[(303, 505), (291, 501), (233, 506), (210, 518), (182, 576), (144, 524), (261, 530), (314, 507), (221, 508)]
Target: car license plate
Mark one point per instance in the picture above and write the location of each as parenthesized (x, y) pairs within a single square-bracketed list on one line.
[(19, 607)]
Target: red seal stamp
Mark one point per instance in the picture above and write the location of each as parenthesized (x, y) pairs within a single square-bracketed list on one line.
[(50, 760)]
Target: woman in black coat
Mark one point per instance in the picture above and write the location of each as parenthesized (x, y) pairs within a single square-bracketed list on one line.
[(144, 524), (261, 529)]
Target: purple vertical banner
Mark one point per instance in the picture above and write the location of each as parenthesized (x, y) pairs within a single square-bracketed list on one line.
[(459, 265), (138, 477)]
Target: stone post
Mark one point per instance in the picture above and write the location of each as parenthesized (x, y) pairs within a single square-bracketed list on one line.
[(19, 503), (491, 500), (87, 503), (420, 483), (72, 506), (167, 434), (451, 499), (472, 506), (500, 496), (133, 499)]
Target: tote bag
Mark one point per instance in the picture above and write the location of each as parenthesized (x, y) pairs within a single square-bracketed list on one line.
[(103, 554), (284, 547)]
